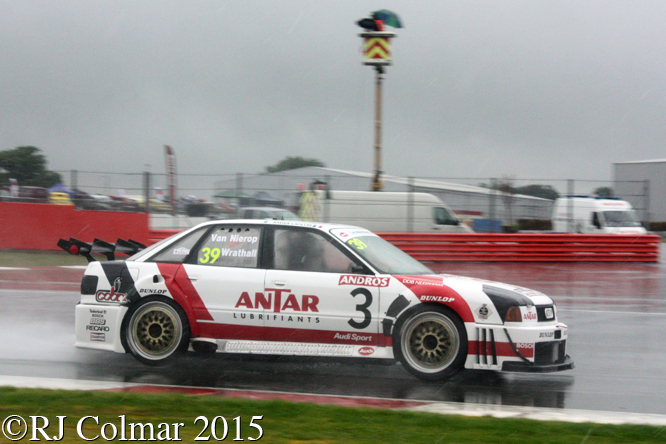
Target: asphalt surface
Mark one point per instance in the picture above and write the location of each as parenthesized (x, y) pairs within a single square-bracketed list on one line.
[(617, 338)]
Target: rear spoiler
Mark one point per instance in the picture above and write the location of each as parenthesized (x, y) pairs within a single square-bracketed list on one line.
[(85, 249)]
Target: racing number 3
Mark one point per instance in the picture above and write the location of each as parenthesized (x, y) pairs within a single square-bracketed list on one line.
[(363, 308)]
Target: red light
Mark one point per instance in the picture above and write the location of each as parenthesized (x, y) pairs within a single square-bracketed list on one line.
[(513, 315), (74, 249)]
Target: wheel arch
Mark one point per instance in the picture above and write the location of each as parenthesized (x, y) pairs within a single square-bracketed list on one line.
[(406, 314)]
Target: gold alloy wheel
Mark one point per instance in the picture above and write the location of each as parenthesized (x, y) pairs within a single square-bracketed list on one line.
[(430, 342), (155, 330)]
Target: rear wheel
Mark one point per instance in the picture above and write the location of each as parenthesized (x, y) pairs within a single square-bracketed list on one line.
[(431, 343), (156, 330)]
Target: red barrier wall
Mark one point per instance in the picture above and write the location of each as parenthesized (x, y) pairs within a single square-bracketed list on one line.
[(527, 247), (31, 226)]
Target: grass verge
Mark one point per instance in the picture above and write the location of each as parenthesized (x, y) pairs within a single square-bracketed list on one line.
[(285, 422)]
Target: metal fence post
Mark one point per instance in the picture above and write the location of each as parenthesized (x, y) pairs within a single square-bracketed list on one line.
[(491, 206), (646, 202), (410, 205), (146, 190), (327, 201), (239, 192), (570, 205)]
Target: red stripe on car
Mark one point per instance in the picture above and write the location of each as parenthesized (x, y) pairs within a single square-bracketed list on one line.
[(432, 289), (183, 292), (259, 333)]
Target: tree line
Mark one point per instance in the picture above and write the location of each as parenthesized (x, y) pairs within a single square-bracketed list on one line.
[(27, 165)]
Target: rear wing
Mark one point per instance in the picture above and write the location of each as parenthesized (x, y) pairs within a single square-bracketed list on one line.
[(86, 249)]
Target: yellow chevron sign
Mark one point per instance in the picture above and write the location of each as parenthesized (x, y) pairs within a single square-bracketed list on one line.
[(377, 48)]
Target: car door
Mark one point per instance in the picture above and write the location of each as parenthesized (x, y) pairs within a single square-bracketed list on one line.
[(226, 273), (315, 295)]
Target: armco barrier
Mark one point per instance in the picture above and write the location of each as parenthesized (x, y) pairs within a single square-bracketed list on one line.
[(527, 247), (32, 226), (479, 247)]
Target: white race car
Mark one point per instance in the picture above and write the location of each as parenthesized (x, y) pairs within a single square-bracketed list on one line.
[(308, 289)]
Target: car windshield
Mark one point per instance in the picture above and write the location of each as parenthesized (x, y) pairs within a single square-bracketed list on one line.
[(620, 219), (382, 255)]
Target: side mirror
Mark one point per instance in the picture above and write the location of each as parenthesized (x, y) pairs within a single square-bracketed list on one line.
[(358, 269)]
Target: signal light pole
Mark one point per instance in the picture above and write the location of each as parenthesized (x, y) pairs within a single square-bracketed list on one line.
[(377, 53)]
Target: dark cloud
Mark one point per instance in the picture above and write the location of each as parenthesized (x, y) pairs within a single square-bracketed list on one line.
[(478, 89)]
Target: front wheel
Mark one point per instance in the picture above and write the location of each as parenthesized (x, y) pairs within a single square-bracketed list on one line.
[(431, 343), (156, 330)]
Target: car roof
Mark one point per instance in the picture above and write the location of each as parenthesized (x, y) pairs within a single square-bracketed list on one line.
[(292, 223), (264, 208)]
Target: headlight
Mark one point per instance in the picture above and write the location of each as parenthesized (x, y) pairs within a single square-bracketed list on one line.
[(513, 315), (507, 303)]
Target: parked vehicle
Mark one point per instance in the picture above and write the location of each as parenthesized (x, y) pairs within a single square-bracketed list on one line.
[(33, 194), (105, 203), (83, 200), (383, 211), (595, 215), (278, 287), (155, 205), (266, 213), (59, 198), (126, 204)]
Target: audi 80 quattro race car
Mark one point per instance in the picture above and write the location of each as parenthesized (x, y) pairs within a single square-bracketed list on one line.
[(301, 288)]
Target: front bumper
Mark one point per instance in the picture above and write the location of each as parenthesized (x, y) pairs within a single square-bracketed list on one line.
[(539, 348), (525, 367)]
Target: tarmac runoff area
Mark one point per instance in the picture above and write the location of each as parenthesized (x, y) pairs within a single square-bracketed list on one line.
[(444, 408)]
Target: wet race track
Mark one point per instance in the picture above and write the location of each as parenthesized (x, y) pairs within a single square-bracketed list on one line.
[(617, 338)]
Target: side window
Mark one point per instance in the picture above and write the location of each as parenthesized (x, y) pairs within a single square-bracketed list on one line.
[(444, 217), (178, 252), (300, 250), (230, 247)]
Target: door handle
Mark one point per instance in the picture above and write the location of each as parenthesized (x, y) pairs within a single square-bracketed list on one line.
[(193, 277), (280, 283)]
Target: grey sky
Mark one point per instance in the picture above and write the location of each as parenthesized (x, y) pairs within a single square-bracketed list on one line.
[(532, 89)]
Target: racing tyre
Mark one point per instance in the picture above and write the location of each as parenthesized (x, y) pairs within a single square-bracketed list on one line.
[(431, 343), (156, 331)]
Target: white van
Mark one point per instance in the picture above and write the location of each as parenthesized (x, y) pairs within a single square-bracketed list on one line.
[(387, 212), (595, 215)]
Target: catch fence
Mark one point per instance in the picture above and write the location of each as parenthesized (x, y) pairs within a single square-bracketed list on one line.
[(492, 204)]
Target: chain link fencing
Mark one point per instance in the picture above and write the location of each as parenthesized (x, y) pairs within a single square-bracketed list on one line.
[(490, 204)]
